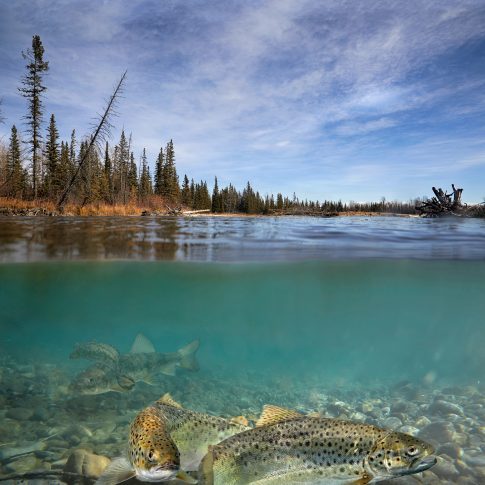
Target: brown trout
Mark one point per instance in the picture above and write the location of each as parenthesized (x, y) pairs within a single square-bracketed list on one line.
[(167, 440), (113, 371), (288, 448)]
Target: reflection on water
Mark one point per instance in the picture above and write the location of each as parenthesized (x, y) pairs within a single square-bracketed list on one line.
[(238, 238)]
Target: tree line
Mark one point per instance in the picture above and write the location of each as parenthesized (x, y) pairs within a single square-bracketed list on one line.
[(113, 175)]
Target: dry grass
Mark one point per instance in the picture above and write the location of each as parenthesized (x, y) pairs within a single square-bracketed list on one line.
[(98, 209)]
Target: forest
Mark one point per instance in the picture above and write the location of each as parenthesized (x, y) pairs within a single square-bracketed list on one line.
[(38, 167)]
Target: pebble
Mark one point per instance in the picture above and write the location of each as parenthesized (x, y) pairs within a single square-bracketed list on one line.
[(441, 407), (439, 431), (444, 468), (392, 423), (19, 414), (85, 463)]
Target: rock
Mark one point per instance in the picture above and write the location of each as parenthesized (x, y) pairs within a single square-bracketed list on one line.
[(444, 468), (450, 449), (409, 430), (366, 407), (422, 421), (23, 464), (399, 406), (87, 464), (40, 414), (439, 431), (392, 423), (443, 408), (479, 472), (358, 417), (19, 414)]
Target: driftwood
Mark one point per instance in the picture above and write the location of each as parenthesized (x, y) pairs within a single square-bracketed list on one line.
[(444, 204)]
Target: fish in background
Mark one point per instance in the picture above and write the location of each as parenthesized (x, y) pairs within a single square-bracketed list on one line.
[(289, 448), (166, 441), (113, 371)]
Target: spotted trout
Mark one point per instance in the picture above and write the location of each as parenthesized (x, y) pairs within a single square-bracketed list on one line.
[(166, 441), (288, 448), (113, 371)]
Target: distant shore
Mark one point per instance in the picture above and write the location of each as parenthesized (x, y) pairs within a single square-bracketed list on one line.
[(19, 208)]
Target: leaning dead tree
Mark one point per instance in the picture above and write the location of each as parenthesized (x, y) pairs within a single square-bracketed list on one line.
[(100, 132), (444, 204)]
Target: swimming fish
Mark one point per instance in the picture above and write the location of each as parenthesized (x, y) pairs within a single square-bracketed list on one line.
[(287, 448), (113, 371), (96, 351), (166, 441)]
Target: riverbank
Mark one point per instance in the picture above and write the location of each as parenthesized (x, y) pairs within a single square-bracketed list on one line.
[(31, 208)]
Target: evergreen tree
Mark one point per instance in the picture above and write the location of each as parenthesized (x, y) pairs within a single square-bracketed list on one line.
[(108, 176), (146, 188), (159, 173), (216, 198), (16, 176), (65, 167), (72, 148), (132, 177), (32, 90), (51, 182), (170, 182), (123, 166), (186, 197), (279, 201), (192, 193)]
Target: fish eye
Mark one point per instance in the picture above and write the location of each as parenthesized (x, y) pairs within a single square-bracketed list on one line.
[(412, 451)]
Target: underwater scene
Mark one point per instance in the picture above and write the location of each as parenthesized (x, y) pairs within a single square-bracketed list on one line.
[(255, 333)]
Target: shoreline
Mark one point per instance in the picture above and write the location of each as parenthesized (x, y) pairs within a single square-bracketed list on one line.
[(16, 208)]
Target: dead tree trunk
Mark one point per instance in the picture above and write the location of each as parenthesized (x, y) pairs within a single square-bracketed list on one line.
[(444, 204)]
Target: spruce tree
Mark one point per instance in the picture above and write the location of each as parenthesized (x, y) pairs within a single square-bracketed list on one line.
[(16, 176), (159, 173), (52, 160), (145, 178), (32, 90), (132, 177), (65, 168), (72, 148), (186, 198), (170, 184), (123, 166), (216, 198), (108, 176)]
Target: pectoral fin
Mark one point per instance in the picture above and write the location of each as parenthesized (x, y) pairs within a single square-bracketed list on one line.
[(126, 383), (185, 477), (118, 471), (362, 481), (168, 369)]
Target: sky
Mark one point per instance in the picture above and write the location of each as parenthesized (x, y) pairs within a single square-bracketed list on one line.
[(353, 100)]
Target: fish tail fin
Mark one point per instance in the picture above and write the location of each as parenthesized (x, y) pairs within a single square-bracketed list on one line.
[(118, 471), (187, 356)]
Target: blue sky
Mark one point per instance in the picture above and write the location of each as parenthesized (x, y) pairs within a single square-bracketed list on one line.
[(337, 99)]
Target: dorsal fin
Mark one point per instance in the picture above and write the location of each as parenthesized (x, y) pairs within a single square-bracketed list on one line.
[(168, 400), (141, 345), (274, 414)]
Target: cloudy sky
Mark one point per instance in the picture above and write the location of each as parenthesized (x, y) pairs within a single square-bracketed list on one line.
[(331, 99)]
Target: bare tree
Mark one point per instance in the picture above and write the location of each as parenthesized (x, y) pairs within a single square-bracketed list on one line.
[(101, 131)]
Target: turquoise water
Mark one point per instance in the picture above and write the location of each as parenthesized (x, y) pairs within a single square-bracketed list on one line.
[(298, 311)]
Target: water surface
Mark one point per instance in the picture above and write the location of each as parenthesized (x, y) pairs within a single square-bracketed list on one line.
[(374, 319)]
